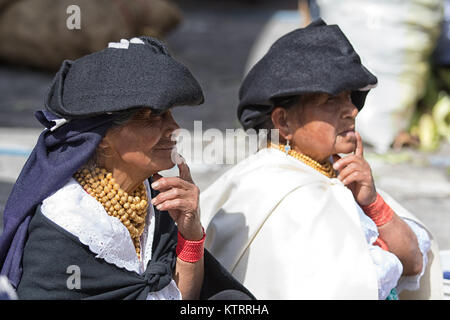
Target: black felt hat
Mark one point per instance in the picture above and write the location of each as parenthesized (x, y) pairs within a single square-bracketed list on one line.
[(318, 58), (134, 73)]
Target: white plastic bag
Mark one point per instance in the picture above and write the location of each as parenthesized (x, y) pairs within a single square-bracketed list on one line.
[(394, 39), (280, 23)]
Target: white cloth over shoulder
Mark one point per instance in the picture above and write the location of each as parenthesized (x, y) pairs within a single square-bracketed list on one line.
[(288, 232), (388, 267), (80, 214)]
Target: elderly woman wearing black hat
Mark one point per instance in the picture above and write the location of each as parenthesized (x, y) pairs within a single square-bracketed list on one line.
[(296, 221), (89, 216)]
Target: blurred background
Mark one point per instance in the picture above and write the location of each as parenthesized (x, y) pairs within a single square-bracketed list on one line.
[(405, 123)]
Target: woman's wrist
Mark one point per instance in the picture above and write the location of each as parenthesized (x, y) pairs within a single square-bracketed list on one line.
[(193, 232), (379, 211), (369, 199), (190, 250)]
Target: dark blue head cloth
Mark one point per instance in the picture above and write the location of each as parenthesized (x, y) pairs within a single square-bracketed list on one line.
[(91, 92), (55, 158)]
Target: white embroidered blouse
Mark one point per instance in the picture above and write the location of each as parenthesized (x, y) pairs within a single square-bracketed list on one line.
[(388, 267), (80, 214)]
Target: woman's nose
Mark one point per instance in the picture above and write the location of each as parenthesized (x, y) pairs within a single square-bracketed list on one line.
[(354, 110), (170, 124), (349, 109)]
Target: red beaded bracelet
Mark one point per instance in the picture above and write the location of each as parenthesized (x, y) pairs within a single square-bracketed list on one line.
[(379, 211), (379, 242), (188, 250)]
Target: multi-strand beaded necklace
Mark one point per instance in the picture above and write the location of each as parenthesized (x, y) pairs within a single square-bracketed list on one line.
[(326, 168), (130, 209)]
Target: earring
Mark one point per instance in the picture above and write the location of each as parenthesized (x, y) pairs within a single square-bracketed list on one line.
[(287, 147), (104, 152)]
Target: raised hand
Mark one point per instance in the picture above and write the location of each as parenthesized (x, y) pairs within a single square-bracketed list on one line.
[(180, 197), (355, 173)]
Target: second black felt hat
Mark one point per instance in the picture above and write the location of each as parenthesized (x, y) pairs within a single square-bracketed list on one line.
[(128, 74), (318, 58)]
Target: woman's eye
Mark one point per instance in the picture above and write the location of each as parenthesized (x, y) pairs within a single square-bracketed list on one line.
[(155, 116), (331, 98), (159, 115)]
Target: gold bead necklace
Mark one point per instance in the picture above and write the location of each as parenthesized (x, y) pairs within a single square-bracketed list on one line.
[(326, 168), (130, 209)]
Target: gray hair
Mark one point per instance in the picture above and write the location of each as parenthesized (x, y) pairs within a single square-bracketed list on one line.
[(283, 102), (120, 121)]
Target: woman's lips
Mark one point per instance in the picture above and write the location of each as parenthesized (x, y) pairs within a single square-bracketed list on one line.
[(348, 133), (169, 147)]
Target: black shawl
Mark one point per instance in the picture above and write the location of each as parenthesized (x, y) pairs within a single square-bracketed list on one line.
[(50, 252)]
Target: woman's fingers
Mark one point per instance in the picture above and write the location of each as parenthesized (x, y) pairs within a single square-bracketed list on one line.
[(185, 213), (343, 162), (185, 172), (176, 194), (172, 200), (340, 163), (359, 150), (355, 173), (173, 193), (347, 170), (165, 183), (172, 204), (355, 176), (357, 169), (179, 197)]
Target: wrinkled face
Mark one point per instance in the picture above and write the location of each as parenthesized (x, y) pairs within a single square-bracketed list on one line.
[(143, 145), (323, 125)]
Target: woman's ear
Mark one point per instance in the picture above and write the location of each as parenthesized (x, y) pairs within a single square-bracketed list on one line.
[(103, 144), (104, 149), (279, 118)]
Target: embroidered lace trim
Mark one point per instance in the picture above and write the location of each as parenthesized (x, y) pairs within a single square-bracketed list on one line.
[(388, 266), (78, 213)]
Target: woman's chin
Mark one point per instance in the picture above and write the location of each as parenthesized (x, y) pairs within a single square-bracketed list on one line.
[(346, 148), (166, 164)]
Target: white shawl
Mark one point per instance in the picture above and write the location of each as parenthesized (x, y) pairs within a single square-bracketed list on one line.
[(301, 239)]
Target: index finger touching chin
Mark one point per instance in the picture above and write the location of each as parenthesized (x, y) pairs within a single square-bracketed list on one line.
[(185, 172), (177, 158), (359, 150)]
